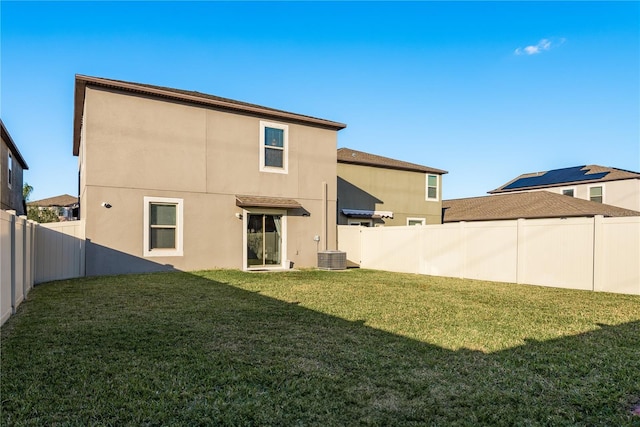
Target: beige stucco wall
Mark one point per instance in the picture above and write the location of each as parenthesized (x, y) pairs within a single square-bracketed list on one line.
[(373, 188), (134, 146)]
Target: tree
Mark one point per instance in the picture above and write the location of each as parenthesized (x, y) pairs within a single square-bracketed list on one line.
[(36, 213)]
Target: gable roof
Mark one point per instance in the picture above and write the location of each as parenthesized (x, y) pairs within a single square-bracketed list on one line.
[(192, 97), (354, 157), (6, 137), (565, 176), (62, 200), (530, 205)]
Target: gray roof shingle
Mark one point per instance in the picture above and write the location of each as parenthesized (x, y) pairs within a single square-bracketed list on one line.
[(530, 205)]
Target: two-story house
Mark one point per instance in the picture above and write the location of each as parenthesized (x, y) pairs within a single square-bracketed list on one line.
[(599, 184), (375, 190), (179, 179), (13, 164)]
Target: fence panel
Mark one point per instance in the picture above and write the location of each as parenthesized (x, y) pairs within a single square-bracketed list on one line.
[(6, 225), (391, 248), (491, 250), (60, 251), (577, 253), (349, 240), (557, 252), (617, 260)]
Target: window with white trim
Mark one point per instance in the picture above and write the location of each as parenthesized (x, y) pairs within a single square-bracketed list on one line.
[(432, 186), (596, 194), (416, 221), (571, 192), (274, 147), (9, 169), (163, 226)]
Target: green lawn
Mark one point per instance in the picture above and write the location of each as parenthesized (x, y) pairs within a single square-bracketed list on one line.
[(318, 348)]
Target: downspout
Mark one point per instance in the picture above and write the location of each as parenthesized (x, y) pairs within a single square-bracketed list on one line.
[(325, 206)]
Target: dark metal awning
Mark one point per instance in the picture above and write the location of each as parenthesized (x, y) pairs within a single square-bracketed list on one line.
[(266, 202), (365, 213)]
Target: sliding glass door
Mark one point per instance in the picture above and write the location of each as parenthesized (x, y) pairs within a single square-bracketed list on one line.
[(264, 240)]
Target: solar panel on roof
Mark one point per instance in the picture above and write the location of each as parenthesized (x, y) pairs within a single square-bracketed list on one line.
[(557, 176)]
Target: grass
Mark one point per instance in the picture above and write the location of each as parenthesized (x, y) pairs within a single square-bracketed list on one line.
[(318, 348)]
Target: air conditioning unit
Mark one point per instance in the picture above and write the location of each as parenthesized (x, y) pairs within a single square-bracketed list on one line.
[(332, 260)]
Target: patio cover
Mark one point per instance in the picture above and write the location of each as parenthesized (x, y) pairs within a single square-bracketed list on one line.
[(266, 202), (365, 213)]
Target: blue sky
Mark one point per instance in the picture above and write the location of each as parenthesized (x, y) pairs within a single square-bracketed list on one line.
[(486, 91)]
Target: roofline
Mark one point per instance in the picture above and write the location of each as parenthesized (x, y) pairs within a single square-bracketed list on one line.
[(409, 169), (514, 218), (12, 145), (82, 81), (407, 166)]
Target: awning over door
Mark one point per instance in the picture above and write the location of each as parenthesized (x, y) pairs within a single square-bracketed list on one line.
[(364, 213), (266, 202)]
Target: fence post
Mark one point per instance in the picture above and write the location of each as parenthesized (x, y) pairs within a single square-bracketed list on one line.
[(13, 261), (25, 227)]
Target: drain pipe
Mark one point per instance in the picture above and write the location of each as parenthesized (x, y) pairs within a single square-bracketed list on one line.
[(325, 230)]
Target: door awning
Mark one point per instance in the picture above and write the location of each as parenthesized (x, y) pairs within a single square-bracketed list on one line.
[(266, 202), (365, 213)]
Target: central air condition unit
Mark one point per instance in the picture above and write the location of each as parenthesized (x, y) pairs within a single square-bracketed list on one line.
[(332, 260)]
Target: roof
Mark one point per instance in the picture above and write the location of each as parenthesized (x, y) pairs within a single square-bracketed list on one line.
[(268, 202), (566, 176), (62, 200), (534, 204), (192, 97), (6, 137), (347, 155)]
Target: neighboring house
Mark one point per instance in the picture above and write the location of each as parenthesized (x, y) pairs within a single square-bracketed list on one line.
[(527, 205), (375, 190), (600, 184), (11, 170), (174, 179), (65, 206)]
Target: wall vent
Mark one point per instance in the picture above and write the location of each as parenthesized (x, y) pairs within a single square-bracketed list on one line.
[(332, 260)]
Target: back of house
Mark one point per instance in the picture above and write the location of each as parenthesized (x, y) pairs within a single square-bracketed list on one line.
[(174, 179)]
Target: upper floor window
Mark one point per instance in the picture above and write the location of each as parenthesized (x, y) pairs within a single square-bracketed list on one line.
[(10, 169), (596, 194), (432, 187), (274, 147), (162, 226), (568, 192)]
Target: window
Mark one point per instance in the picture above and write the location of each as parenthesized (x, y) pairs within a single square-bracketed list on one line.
[(10, 169), (416, 221), (432, 187), (569, 192), (596, 194), (274, 142), (361, 222), (162, 226)]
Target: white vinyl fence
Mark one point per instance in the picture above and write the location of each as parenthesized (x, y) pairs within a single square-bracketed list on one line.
[(32, 253), (599, 254)]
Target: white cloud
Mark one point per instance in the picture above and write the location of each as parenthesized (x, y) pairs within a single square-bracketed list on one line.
[(541, 46)]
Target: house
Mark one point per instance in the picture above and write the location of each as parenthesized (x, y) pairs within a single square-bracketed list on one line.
[(13, 164), (599, 184), (65, 206), (527, 205), (375, 190), (176, 179)]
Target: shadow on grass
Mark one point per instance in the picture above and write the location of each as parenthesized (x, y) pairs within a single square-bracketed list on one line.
[(181, 349)]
